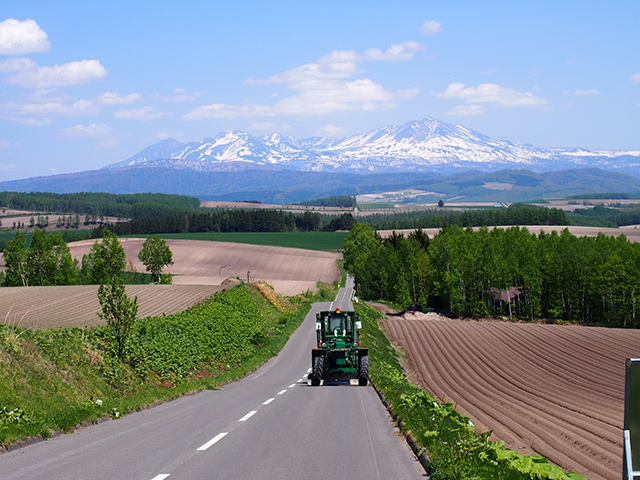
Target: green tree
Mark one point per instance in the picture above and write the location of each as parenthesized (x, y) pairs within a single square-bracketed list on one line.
[(363, 254), (119, 311), (155, 255), (49, 260), (15, 259), (105, 261)]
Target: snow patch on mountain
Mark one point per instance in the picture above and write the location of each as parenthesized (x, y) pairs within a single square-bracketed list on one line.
[(422, 145)]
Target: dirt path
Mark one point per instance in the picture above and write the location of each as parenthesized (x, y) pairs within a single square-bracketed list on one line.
[(553, 390)]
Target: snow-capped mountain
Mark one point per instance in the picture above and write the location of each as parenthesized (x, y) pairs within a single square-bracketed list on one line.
[(422, 145)]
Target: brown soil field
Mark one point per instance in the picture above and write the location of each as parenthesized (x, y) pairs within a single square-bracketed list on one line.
[(632, 234), (199, 269), (195, 262), (78, 305), (552, 390)]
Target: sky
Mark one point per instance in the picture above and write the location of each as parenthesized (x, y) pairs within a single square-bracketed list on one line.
[(85, 84)]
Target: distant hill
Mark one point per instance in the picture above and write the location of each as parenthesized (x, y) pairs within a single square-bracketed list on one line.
[(274, 185), (447, 160)]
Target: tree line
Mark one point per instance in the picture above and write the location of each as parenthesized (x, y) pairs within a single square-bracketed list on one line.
[(501, 272), (332, 201), (233, 220), (47, 261), (515, 214), (99, 203)]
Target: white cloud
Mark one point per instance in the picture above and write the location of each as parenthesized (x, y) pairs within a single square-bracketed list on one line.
[(322, 87), (396, 52), (492, 93), (93, 130), (143, 114), (591, 91), (76, 109), (28, 74), (9, 167), (8, 145), (180, 95), (107, 137), (431, 27), (111, 98), (335, 65), (332, 131), (20, 38), (467, 110), (636, 77), (408, 93)]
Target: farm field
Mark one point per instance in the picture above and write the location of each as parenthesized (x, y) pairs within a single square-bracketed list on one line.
[(632, 234), (284, 207), (78, 305), (196, 262), (552, 390), (326, 241)]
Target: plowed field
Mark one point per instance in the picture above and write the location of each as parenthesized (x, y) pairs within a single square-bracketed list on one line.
[(200, 267), (289, 270), (78, 305), (548, 389)]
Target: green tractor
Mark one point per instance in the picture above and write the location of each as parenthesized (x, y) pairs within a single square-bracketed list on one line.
[(339, 352)]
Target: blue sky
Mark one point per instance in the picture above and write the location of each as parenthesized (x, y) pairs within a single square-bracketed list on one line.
[(85, 84)]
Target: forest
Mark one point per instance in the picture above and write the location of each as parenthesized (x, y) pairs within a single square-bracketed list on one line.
[(501, 272), (233, 220), (107, 204), (515, 214)]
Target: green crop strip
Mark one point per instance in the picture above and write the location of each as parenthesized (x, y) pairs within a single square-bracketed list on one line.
[(324, 241), (455, 449)]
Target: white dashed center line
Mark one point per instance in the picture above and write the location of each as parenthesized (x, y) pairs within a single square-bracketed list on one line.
[(282, 391), (215, 439), (162, 476), (248, 416), (267, 402)]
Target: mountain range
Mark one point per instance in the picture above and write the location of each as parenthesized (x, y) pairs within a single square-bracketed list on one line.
[(437, 159), (425, 145)]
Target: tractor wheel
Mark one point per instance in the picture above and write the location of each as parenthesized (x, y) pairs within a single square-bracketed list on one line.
[(316, 374), (363, 371)]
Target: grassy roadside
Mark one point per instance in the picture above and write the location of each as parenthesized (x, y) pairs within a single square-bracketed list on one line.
[(456, 451), (55, 380)]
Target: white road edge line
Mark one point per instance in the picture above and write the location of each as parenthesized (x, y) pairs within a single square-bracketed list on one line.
[(248, 416), (267, 402), (162, 476), (215, 439), (282, 391)]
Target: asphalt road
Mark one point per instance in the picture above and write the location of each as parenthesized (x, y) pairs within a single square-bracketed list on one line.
[(270, 425)]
